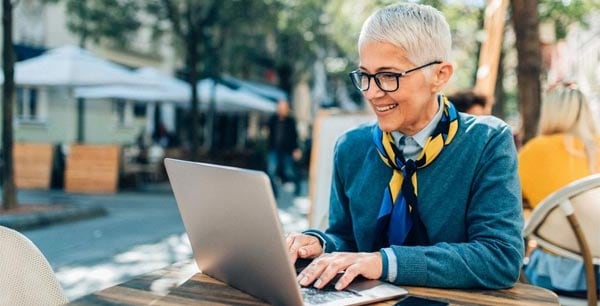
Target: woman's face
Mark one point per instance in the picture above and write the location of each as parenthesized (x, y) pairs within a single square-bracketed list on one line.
[(412, 106)]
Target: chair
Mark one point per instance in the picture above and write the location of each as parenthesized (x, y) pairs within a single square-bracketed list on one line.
[(567, 223), (27, 278)]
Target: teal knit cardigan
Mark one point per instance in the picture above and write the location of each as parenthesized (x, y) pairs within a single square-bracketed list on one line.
[(469, 201)]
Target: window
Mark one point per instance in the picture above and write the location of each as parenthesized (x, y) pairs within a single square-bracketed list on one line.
[(123, 112), (139, 110), (30, 108)]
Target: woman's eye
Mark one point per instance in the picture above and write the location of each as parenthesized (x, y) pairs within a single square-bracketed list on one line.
[(385, 77)]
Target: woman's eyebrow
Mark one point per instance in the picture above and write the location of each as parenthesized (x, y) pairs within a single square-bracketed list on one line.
[(378, 69)]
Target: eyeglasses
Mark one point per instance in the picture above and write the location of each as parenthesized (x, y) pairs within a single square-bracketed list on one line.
[(386, 81)]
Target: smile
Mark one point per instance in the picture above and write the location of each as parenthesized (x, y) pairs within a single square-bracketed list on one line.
[(385, 108)]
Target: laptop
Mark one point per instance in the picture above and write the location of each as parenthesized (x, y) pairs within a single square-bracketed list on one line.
[(230, 216)]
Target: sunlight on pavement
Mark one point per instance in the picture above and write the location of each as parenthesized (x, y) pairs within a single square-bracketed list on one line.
[(81, 280), (84, 279)]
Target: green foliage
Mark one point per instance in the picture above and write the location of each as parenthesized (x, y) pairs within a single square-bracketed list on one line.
[(466, 25), (246, 38), (564, 13), (300, 36), (464, 18), (114, 20), (242, 35), (223, 33)]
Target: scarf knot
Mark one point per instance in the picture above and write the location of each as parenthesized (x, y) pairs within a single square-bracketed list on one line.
[(410, 167)]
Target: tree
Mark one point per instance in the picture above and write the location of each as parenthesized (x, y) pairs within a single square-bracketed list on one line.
[(113, 20), (96, 20), (210, 36), (525, 23), (9, 197), (564, 13), (189, 22), (300, 35)]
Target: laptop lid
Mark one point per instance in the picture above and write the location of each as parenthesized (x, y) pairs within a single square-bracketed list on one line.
[(230, 216), (231, 219)]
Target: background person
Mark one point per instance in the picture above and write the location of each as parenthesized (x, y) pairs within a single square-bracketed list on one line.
[(283, 148), (469, 102), (426, 196), (566, 149)]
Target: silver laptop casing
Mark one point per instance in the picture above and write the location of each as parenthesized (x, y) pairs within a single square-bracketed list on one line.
[(231, 218)]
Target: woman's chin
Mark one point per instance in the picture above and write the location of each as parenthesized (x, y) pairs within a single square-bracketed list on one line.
[(386, 128)]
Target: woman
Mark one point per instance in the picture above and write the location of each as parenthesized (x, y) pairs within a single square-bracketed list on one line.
[(567, 144), (456, 220), (566, 149)]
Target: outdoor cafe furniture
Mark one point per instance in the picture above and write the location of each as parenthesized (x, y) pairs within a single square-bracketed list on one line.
[(183, 284)]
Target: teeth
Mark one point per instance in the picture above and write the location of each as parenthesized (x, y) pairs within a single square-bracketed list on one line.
[(385, 108)]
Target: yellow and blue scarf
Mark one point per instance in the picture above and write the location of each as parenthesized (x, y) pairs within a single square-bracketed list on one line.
[(398, 222)]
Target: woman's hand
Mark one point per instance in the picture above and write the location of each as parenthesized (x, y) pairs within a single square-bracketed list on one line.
[(323, 269), (303, 246)]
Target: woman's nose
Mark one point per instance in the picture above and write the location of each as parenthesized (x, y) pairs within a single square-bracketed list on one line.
[(374, 91)]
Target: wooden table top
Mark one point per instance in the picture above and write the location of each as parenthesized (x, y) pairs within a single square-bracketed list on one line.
[(182, 284)]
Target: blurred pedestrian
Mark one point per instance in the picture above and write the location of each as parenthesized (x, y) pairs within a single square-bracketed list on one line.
[(566, 149), (283, 149)]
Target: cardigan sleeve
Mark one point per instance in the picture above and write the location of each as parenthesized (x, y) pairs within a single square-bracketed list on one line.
[(339, 234), (492, 255)]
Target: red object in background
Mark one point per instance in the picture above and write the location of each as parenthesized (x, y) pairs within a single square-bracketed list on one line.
[(270, 76)]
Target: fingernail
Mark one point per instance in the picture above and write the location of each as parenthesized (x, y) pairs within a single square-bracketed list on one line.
[(304, 281), (317, 283), (338, 286), (302, 252)]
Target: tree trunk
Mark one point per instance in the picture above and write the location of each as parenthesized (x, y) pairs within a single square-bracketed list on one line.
[(212, 67), (481, 25), (286, 81), (192, 63), (83, 36), (499, 108), (211, 114), (80, 120), (9, 198), (525, 22)]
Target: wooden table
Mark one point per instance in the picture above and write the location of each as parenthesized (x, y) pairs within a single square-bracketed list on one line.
[(182, 284)]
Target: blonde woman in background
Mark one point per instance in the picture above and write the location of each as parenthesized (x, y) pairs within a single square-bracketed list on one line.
[(567, 148)]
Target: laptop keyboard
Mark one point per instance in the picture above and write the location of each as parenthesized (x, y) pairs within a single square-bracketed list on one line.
[(328, 294)]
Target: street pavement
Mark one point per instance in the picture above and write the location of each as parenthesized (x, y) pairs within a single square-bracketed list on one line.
[(142, 232)]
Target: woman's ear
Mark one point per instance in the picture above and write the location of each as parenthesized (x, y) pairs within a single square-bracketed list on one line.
[(442, 74)]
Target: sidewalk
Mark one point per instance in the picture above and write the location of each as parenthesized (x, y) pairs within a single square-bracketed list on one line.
[(141, 232)]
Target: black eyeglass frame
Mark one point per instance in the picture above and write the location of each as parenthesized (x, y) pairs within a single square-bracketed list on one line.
[(397, 75)]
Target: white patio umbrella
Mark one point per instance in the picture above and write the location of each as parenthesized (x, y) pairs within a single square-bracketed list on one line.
[(228, 99), (72, 66), (167, 88), (263, 90)]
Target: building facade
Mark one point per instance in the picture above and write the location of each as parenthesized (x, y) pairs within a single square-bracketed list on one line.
[(49, 113)]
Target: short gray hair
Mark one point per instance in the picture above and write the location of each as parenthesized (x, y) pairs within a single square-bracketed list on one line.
[(421, 31)]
